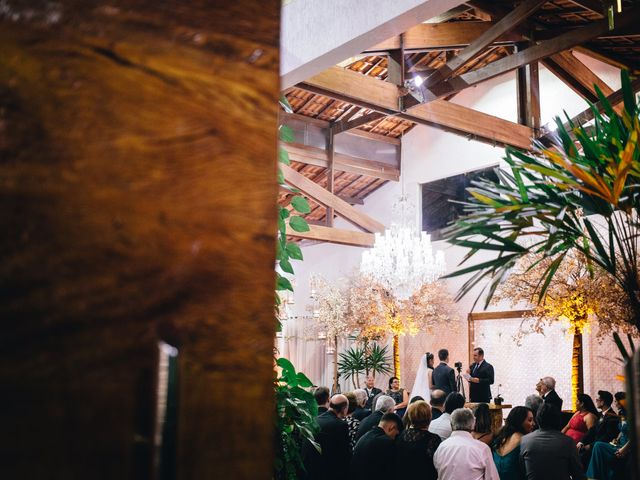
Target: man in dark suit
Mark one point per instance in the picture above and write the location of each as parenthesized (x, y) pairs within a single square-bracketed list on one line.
[(444, 378), (546, 387), (547, 454), (333, 437), (371, 392), (321, 394), (605, 430), (481, 376), (384, 404), (374, 454)]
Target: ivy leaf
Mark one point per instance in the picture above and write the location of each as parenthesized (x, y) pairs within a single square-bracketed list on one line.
[(299, 224), (283, 156), (286, 134), (300, 204), (286, 266), (280, 177), (283, 284), (284, 213), (282, 227), (294, 251)]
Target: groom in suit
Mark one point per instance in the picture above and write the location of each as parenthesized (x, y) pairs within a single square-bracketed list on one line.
[(444, 377), (482, 376)]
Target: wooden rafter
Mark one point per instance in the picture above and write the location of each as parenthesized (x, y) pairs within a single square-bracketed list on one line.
[(506, 24), (427, 37), (320, 195), (334, 235), (577, 76), (550, 47), (383, 97), (318, 156)]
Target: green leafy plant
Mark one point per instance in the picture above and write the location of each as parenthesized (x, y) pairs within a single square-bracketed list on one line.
[(545, 204), (352, 364), (377, 360), (296, 408), (371, 358)]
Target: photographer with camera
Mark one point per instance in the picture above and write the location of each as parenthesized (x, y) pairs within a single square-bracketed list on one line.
[(443, 376), (479, 375)]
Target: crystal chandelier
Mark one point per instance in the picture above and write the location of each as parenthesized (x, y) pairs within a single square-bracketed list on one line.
[(402, 259)]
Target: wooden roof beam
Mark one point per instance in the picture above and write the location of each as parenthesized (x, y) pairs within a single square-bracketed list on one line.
[(506, 24), (339, 236), (328, 199), (425, 37), (577, 76), (383, 97), (550, 47), (345, 163)]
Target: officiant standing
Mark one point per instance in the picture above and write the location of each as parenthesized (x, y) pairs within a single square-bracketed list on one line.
[(480, 376)]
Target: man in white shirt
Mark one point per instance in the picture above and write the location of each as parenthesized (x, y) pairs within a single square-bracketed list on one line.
[(461, 456), (442, 425)]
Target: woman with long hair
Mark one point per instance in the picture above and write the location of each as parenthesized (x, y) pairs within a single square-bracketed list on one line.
[(482, 430), (585, 418), (506, 445), (399, 395), (423, 384)]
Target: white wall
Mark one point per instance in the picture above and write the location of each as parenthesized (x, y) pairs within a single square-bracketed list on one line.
[(430, 154)]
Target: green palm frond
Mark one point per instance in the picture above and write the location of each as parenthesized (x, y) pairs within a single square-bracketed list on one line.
[(544, 201)]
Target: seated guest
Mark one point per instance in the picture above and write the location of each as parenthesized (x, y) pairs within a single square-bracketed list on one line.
[(405, 419), (371, 392), (400, 395), (333, 438), (384, 404), (506, 446), (415, 446), (352, 423), (482, 430), (442, 426), (585, 418), (437, 403), (547, 454), (533, 403), (461, 457), (605, 429), (374, 455), (361, 399), (321, 394), (547, 388), (606, 456)]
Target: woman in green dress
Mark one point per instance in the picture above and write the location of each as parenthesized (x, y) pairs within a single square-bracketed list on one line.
[(506, 446)]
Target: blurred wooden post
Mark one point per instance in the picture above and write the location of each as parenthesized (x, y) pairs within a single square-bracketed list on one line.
[(138, 181)]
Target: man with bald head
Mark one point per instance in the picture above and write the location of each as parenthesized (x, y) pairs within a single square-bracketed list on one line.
[(333, 438), (547, 388)]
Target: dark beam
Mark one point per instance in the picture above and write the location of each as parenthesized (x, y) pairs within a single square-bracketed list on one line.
[(509, 22), (528, 89), (358, 122), (330, 172), (531, 54)]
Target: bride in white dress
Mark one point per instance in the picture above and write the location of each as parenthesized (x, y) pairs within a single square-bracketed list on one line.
[(424, 381)]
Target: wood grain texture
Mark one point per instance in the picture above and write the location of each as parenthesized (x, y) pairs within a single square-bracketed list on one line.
[(137, 172), (339, 236)]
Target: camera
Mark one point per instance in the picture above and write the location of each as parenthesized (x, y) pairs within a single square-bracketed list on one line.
[(458, 366)]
